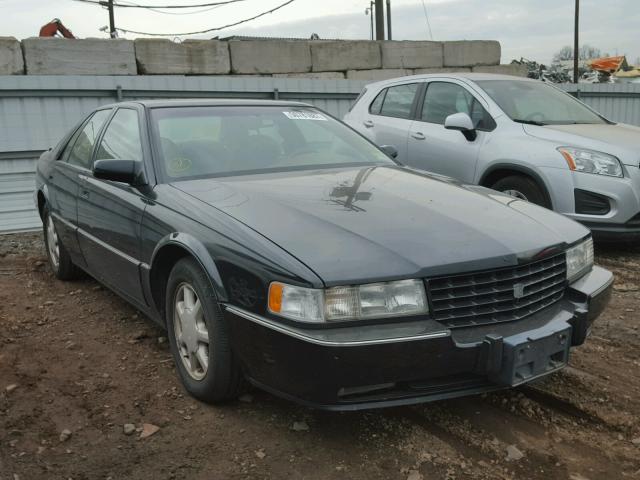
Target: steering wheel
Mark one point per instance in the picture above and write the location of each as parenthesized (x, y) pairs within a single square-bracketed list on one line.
[(302, 150), (531, 116)]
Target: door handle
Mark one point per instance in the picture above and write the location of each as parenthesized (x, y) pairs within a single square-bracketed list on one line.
[(84, 193), (418, 135), (368, 123)]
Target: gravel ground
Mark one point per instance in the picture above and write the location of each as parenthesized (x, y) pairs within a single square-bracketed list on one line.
[(88, 391)]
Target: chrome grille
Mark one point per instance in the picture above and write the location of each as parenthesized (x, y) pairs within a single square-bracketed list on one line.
[(490, 296)]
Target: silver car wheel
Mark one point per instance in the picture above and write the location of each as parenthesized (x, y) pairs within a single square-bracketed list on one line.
[(52, 243), (516, 194), (191, 332)]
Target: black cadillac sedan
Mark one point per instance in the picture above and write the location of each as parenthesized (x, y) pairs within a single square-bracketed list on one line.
[(279, 247)]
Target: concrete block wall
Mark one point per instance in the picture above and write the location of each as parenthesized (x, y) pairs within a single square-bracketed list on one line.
[(313, 59), (90, 56), (191, 57), (11, 61)]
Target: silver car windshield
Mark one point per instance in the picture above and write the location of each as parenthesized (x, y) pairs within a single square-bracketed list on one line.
[(208, 141), (537, 103)]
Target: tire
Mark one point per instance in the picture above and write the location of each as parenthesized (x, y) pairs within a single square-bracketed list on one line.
[(59, 259), (222, 379), (524, 188)]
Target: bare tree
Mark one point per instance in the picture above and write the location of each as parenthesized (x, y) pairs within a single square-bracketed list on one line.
[(587, 52)]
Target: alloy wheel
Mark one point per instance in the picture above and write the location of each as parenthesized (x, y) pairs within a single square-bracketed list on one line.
[(52, 243), (191, 332), (516, 194)]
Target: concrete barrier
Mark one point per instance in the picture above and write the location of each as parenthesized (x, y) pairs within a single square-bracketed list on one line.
[(345, 55), (191, 57), (469, 53), (424, 71), (270, 56), (314, 59), (11, 62), (91, 56), (409, 54), (507, 69), (377, 75), (312, 75)]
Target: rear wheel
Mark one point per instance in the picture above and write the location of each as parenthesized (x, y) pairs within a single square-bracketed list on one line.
[(59, 259), (198, 336), (523, 188)]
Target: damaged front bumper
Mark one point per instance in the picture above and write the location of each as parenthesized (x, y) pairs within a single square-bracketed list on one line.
[(352, 368)]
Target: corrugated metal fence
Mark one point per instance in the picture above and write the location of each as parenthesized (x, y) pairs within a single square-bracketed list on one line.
[(619, 102), (36, 111)]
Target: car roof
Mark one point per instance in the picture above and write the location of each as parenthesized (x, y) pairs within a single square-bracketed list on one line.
[(472, 76), (202, 102)]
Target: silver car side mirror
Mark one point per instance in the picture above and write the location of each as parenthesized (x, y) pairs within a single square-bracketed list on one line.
[(462, 122)]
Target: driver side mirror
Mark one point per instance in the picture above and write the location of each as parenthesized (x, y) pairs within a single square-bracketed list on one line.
[(462, 122), (126, 171)]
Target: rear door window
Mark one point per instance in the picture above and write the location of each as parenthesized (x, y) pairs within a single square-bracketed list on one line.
[(80, 149), (398, 100)]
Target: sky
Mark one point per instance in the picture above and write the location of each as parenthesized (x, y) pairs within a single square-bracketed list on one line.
[(534, 29)]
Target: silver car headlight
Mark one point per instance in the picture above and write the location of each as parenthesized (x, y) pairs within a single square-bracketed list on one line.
[(589, 161), (359, 302), (579, 260)]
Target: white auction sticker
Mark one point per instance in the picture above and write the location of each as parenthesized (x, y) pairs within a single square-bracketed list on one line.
[(305, 115)]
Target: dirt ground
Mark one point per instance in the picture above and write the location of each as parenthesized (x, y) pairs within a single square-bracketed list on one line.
[(77, 364)]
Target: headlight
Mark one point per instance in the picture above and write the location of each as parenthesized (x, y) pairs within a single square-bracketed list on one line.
[(374, 300), (579, 260), (588, 161)]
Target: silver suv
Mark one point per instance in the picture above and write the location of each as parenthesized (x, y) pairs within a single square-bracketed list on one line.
[(519, 136)]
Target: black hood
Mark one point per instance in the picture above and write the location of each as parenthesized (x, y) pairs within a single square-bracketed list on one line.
[(358, 225)]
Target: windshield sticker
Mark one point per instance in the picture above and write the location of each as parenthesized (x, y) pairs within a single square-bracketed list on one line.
[(305, 115)]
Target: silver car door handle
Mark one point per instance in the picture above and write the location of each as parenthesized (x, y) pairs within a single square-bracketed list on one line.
[(418, 135), (368, 123)]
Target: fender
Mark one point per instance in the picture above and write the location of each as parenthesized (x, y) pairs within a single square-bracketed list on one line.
[(44, 188), (517, 168), (198, 251)]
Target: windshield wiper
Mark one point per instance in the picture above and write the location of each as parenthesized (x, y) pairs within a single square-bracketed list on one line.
[(529, 122)]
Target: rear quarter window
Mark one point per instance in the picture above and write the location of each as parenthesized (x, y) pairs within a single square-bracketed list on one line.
[(396, 101)]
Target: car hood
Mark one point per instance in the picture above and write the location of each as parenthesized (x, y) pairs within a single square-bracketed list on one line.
[(358, 225), (619, 139)]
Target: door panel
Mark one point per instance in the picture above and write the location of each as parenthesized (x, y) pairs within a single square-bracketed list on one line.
[(110, 213), (109, 217), (389, 117), (432, 147)]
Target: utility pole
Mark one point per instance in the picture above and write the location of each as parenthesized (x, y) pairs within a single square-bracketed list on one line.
[(369, 11), (379, 20), (388, 19), (576, 45), (112, 21)]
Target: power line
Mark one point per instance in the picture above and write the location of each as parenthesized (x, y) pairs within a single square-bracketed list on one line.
[(125, 30), (424, 7), (208, 9), (135, 5)]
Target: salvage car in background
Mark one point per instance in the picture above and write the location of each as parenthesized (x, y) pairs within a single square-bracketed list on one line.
[(519, 136), (277, 245)]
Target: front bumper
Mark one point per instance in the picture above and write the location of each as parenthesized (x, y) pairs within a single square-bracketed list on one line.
[(394, 364), (622, 222)]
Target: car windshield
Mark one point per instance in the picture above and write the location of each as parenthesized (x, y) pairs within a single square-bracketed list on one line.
[(208, 141), (538, 103)]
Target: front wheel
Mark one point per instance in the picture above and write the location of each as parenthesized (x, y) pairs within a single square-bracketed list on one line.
[(523, 188), (199, 337)]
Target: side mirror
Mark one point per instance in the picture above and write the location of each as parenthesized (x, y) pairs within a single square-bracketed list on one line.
[(389, 150), (462, 122), (126, 171)]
